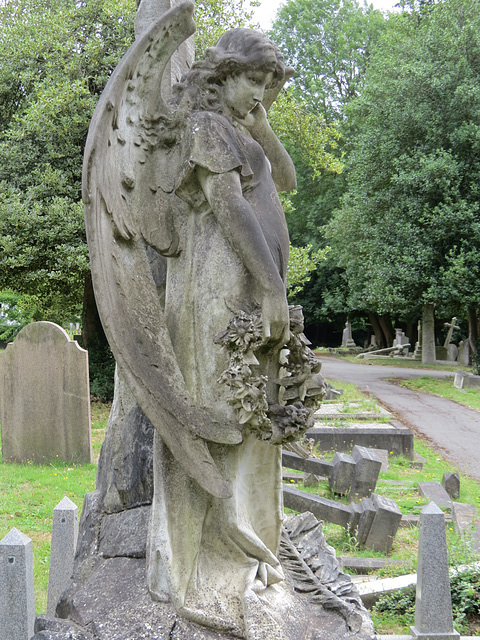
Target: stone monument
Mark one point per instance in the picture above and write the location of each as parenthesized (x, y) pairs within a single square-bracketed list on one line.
[(45, 397), (183, 537)]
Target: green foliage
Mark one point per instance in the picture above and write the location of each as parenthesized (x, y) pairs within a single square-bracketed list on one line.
[(408, 230), (328, 42), (214, 17), (55, 58), (12, 320), (302, 261), (307, 132)]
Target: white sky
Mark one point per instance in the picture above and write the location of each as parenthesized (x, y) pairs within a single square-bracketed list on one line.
[(266, 12)]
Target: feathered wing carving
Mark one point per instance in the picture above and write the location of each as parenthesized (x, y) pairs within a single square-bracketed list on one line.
[(125, 211)]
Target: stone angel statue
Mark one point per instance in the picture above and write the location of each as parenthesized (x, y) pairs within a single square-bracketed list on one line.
[(209, 349)]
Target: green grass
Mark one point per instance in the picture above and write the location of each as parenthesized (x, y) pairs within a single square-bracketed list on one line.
[(29, 493), (445, 389)]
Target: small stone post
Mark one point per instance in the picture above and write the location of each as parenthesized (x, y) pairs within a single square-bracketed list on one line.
[(433, 607), (17, 597), (64, 543)]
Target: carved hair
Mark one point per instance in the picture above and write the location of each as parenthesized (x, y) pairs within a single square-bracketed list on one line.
[(236, 51)]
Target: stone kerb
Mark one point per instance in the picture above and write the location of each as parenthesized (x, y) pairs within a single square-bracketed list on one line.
[(45, 397), (17, 597)]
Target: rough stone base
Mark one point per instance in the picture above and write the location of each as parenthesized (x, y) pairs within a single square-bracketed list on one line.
[(113, 604)]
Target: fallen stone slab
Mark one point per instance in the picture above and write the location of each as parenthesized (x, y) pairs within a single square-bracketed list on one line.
[(372, 590), (367, 469), (322, 508), (293, 477), (434, 492), (365, 565), (308, 465), (464, 380)]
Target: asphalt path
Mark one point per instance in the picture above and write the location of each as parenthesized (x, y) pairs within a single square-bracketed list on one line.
[(451, 428)]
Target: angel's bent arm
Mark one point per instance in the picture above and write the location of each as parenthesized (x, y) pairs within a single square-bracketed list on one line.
[(242, 229), (283, 169)]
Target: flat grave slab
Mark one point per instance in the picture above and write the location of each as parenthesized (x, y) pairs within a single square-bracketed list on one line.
[(435, 492), (350, 411), (392, 436)]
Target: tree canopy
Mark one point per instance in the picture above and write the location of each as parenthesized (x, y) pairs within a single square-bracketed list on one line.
[(408, 232)]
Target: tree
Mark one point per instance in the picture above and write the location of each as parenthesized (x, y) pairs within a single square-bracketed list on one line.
[(408, 231), (328, 42)]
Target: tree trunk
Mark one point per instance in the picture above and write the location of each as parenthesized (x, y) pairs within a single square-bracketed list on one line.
[(377, 329), (472, 327), (387, 328), (428, 334)]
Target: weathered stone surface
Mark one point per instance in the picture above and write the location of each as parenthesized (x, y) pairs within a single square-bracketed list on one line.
[(435, 492), (125, 533), (433, 608), (112, 603), (17, 597), (322, 508), (367, 515), (309, 465), (385, 524), (44, 397), (63, 547), (367, 468), (343, 473), (366, 565), (451, 484), (382, 455)]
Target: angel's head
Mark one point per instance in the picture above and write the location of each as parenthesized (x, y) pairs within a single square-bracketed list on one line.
[(241, 57)]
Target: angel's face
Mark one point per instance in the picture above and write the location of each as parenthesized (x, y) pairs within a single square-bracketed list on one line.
[(243, 91)]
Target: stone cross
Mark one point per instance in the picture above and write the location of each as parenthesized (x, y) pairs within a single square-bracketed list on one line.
[(452, 326)]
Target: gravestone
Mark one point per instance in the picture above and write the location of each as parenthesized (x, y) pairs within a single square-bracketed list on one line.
[(44, 397), (464, 353), (17, 597), (385, 524), (367, 468), (347, 338), (433, 607), (451, 484)]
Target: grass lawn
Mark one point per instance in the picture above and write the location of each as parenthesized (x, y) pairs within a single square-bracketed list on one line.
[(445, 389)]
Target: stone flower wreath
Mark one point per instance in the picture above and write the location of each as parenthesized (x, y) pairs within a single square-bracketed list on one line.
[(301, 387)]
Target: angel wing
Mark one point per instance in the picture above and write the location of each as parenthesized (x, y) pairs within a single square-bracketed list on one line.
[(125, 212)]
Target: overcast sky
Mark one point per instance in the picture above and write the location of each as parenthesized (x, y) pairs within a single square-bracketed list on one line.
[(267, 10)]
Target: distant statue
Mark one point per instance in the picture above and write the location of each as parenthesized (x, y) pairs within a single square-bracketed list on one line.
[(189, 250)]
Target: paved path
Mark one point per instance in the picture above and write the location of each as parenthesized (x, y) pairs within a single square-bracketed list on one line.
[(452, 428)]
